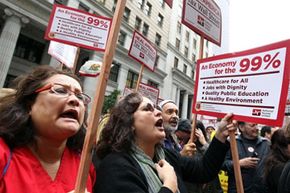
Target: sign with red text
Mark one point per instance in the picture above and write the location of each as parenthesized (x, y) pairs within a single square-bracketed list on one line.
[(203, 17), (253, 84), (63, 53), (142, 51), (149, 91), (78, 28)]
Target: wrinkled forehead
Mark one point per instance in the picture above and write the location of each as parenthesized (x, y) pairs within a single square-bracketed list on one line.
[(65, 80), (146, 101), (170, 106)]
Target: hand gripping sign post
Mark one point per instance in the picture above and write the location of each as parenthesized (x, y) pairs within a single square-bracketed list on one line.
[(142, 51), (99, 99)]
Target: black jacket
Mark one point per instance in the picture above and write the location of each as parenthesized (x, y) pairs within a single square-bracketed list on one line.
[(284, 181), (252, 177), (120, 173)]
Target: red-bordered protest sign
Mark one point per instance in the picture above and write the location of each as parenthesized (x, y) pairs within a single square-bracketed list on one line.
[(143, 51), (78, 28), (147, 91), (204, 17), (252, 84)]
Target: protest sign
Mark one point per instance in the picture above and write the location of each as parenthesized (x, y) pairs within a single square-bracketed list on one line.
[(64, 53), (252, 84), (150, 92), (78, 28), (142, 51), (203, 17)]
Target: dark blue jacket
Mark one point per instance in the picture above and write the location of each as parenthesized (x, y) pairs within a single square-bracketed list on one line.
[(252, 177)]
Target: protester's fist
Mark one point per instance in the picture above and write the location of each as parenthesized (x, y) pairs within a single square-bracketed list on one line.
[(225, 126), (188, 149)]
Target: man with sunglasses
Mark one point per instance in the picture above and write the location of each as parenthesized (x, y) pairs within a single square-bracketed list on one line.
[(253, 150)]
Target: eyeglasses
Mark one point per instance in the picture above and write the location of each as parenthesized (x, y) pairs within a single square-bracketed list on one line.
[(64, 91)]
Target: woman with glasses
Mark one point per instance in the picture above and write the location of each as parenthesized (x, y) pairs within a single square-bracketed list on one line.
[(42, 133), (134, 161)]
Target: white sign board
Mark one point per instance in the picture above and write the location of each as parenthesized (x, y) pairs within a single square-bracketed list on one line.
[(78, 28), (142, 51), (63, 53), (147, 91), (150, 92), (252, 84), (204, 17)]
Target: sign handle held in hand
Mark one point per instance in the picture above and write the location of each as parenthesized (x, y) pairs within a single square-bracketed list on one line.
[(235, 157), (99, 99)]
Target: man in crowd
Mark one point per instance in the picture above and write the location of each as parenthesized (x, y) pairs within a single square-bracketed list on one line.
[(267, 132), (253, 150), (170, 122)]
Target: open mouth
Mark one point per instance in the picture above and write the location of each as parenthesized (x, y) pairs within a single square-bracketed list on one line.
[(71, 114), (159, 123)]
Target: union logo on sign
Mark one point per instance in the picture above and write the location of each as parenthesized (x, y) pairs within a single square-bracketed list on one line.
[(256, 112)]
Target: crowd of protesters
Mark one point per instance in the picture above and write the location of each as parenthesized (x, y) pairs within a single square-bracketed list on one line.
[(142, 147)]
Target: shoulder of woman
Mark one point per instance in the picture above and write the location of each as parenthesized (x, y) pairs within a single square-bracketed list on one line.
[(4, 154)]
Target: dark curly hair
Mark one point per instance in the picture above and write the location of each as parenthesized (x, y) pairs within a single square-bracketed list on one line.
[(16, 127), (117, 135)]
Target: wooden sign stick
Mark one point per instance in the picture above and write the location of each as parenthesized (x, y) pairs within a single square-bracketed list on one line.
[(99, 99), (194, 116), (139, 77)]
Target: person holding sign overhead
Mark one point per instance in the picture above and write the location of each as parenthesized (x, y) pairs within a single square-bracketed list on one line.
[(134, 160), (42, 133)]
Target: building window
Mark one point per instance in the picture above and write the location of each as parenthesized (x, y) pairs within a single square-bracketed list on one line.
[(84, 7), (61, 2), (114, 72), (132, 79), (126, 14), (145, 29), (193, 57), (177, 43), (140, 4), (176, 60), (122, 38), (158, 39), (178, 27), (138, 22), (114, 6), (192, 74), (157, 60), (194, 43), (184, 68), (148, 9), (161, 3), (186, 51), (152, 83), (160, 20), (29, 49), (187, 36)]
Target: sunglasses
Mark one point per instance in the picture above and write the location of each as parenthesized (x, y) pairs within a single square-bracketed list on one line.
[(64, 91)]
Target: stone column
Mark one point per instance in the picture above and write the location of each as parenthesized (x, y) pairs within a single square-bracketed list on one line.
[(184, 106), (8, 40), (122, 78)]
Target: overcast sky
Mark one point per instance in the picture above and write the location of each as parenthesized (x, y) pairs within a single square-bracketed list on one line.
[(255, 23)]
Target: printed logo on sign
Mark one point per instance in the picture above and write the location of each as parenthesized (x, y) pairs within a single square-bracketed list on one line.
[(256, 112), (141, 55), (200, 20)]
